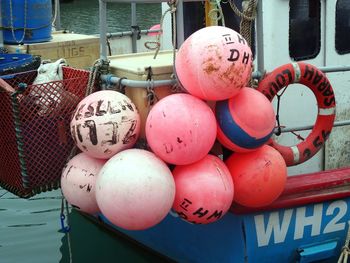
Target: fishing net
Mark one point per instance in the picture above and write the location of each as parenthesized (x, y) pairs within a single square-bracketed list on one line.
[(35, 139)]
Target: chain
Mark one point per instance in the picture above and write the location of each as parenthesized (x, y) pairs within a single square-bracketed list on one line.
[(25, 22), (152, 97)]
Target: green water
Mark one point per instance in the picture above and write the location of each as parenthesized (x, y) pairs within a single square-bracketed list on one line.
[(81, 16), (29, 233), (29, 228)]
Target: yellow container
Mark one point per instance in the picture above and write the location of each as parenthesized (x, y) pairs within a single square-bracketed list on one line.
[(137, 67), (79, 50)]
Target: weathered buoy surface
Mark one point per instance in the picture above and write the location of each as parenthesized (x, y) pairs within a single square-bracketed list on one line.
[(105, 123), (259, 176), (214, 63), (181, 129), (78, 182), (246, 121), (204, 190), (135, 189)]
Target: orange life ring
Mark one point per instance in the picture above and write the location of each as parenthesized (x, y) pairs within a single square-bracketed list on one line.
[(319, 84)]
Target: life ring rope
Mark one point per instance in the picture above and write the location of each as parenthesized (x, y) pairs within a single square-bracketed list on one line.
[(319, 84)]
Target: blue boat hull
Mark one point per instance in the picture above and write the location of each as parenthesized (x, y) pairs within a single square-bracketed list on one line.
[(301, 234), (309, 222)]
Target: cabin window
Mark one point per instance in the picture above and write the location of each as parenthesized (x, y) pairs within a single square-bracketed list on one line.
[(304, 29), (342, 26)]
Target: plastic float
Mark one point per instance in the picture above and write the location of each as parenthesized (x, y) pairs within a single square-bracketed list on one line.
[(135, 190), (214, 63), (174, 129), (104, 123), (78, 182), (241, 127), (204, 190)]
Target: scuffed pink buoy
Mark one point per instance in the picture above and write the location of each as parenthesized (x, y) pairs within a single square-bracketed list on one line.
[(104, 123), (78, 182), (135, 190), (259, 176), (214, 63), (204, 190), (246, 121), (181, 129)]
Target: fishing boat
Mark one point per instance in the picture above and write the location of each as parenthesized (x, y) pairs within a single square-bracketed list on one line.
[(309, 221), (296, 43)]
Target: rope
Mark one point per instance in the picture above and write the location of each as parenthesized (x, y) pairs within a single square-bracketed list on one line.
[(16, 113), (172, 10), (68, 236), (66, 229), (248, 15), (24, 26), (55, 14), (6, 192), (343, 258), (279, 127), (279, 131), (173, 14), (219, 15), (242, 15), (120, 86), (92, 77)]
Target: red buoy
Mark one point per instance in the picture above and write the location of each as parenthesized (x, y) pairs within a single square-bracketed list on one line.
[(246, 121), (204, 190), (259, 176)]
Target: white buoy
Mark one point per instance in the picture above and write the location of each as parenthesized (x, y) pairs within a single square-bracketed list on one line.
[(104, 123), (135, 189)]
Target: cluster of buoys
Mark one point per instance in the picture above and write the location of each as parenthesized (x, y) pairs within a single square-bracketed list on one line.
[(135, 189), (215, 63)]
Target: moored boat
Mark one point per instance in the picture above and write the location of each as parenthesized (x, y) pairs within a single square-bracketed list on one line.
[(308, 221)]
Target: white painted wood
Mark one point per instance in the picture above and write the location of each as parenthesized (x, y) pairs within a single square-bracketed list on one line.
[(298, 105), (338, 145)]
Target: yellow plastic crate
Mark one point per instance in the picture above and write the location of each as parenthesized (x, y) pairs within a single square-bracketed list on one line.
[(136, 67)]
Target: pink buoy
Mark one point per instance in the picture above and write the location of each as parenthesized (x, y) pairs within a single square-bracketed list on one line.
[(204, 190), (104, 123), (78, 182), (246, 121), (214, 63), (181, 129), (135, 189), (259, 176), (155, 27)]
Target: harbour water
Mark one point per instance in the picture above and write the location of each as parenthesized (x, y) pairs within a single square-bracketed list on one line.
[(82, 16), (29, 227)]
